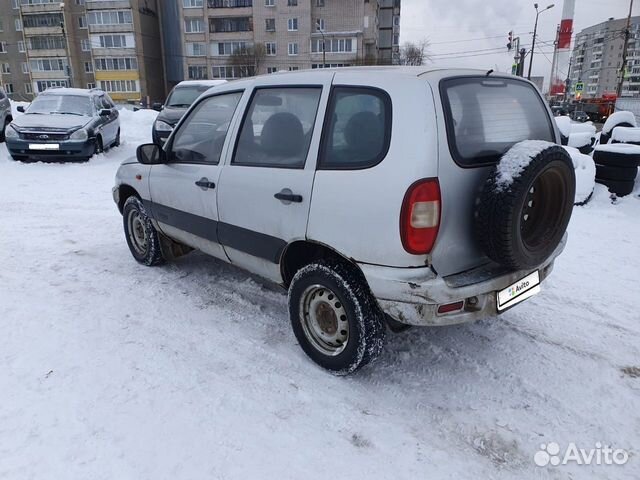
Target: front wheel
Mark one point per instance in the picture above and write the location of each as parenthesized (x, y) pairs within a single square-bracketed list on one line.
[(335, 317), (142, 237)]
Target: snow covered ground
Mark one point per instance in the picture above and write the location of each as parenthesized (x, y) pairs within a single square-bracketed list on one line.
[(110, 370)]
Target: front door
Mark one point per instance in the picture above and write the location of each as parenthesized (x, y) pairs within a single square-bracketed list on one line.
[(183, 191), (265, 190)]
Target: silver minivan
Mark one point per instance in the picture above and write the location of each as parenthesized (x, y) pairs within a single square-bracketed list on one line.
[(379, 197)]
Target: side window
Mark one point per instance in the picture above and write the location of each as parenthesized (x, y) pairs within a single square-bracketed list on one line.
[(359, 128), (202, 134), (277, 128)]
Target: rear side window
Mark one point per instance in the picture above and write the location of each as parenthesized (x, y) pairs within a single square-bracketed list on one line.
[(359, 129), (486, 116)]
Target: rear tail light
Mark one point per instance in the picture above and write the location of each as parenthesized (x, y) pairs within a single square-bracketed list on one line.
[(450, 307), (420, 216)]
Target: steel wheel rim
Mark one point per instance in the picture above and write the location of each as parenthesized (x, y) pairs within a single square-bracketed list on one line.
[(137, 232), (324, 320)]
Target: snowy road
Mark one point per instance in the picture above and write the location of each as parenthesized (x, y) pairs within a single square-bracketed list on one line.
[(109, 370)]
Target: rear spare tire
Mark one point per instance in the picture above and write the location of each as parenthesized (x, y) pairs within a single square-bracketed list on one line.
[(617, 155), (526, 204)]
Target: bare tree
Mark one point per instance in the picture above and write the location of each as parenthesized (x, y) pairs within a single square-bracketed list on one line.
[(415, 54), (248, 60)]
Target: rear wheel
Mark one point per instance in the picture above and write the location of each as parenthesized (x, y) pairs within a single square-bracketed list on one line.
[(142, 237), (4, 128), (335, 317), (116, 143)]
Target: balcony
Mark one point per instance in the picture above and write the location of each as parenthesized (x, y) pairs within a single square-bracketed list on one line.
[(106, 4), (44, 7)]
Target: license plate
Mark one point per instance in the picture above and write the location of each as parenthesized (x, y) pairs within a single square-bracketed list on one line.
[(44, 146), (519, 291)]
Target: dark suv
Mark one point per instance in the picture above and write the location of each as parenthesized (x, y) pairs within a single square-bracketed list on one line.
[(178, 101), (64, 123)]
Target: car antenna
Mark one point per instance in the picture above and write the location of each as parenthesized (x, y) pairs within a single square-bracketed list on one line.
[(489, 72)]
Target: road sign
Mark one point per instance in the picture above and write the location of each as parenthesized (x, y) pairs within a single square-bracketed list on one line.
[(579, 87)]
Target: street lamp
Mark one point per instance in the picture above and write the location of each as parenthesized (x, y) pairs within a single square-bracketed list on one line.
[(535, 31)]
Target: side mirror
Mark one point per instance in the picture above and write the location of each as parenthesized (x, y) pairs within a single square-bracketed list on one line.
[(20, 108), (105, 112), (150, 154), (157, 106)]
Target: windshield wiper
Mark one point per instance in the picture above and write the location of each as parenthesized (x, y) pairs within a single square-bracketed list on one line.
[(69, 113), (180, 105)]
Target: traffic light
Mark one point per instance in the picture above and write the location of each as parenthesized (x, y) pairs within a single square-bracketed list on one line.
[(510, 43)]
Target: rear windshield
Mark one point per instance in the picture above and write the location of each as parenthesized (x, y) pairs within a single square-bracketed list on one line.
[(486, 116), (183, 97)]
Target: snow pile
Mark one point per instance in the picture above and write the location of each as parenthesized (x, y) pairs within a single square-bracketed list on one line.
[(616, 119), (624, 148), (517, 159), (136, 126), (626, 135), (564, 125), (585, 169), (580, 139), (583, 127)]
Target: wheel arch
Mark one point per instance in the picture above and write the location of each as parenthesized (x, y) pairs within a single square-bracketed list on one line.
[(303, 252), (124, 192)]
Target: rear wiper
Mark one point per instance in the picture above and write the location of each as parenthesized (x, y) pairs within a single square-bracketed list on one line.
[(180, 105), (68, 113)]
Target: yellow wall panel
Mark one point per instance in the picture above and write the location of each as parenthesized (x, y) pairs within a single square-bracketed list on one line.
[(117, 75)]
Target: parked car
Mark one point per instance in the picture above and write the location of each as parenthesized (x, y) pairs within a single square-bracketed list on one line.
[(5, 112), (177, 103), (579, 116), (358, 191), (64, 123)]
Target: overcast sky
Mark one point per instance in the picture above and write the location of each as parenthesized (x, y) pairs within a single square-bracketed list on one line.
[(468, 23)]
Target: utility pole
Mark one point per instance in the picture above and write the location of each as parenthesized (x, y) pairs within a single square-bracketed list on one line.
[(66, 47), (625, 48), (324, 45), (535, 32), (523, 54)]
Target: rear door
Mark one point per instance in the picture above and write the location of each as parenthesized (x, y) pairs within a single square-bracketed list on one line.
[(265, 189), (483, 117), (183, 191)]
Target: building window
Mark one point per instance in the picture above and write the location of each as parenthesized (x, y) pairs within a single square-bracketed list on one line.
[(226, 49), (88, 67), (319, 3), (91, 85), (8, 87), (197, 72), (193, 25), (192, 3), (293, 48), (112, 41), (3, 47), (48, 65), (196, 50), (270, 24), (15, 4), (292, 24), (18, 24), (42, 85), (43, 20), (25, 67), (320, 25), (233, 71), (292, 3), (6, 68), (120, 86), (269, 3), (21, 46), (270, 48), (82, 21), (79, 2), (110, 17), (85, 46), (28, 88), (230, 3), (116, 63), (1, 26), (272, 69), (230, 24), (294, 69), (333, 45)]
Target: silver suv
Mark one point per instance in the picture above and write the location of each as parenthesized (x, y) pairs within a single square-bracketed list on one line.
[(379, 197), (5, 113)]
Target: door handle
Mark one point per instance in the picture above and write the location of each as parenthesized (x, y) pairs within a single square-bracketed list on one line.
[(286, 196), (205, 184)]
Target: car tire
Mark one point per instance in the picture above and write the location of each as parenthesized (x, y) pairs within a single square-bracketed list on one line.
[(116, 143), (335, 318), (620, 188), (520, 224), (142, 237), (3, 137), (606, 137), (616, 159), (623, 174)]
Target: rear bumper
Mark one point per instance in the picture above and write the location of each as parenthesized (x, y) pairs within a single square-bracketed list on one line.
[(412, 295)]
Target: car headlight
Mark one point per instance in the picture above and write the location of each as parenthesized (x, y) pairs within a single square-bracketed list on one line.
[(10, 132), (161, 126), (80, 134)]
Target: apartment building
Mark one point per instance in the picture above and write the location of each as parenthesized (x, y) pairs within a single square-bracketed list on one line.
[(238, 38), (597, 58), (111, 44)]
